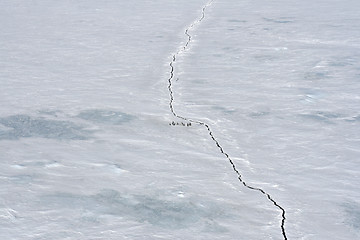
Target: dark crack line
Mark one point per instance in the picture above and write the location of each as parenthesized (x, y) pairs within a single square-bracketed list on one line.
[(171, 105)]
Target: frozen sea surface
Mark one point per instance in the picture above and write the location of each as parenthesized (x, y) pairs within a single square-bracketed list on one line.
[(86, 149)]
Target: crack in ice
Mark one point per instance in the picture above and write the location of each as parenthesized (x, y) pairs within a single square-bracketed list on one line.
[(171, 92)]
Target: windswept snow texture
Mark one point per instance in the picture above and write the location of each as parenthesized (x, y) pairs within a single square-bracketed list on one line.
[(86, 149)]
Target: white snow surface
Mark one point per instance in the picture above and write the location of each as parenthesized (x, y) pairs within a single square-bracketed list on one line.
[(86, 149)]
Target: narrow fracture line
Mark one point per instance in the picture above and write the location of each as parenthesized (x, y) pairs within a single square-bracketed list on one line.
[(171, 92)]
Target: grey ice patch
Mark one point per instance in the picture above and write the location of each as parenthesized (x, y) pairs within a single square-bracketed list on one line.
[(352, 217), (105, 116), (353, 119), (280, 20), (258, 114), (265, 58), (4, 130), (326, 117), (343, 61), (312, 93), (212, 226), (217, 55), (49, 113), (237, 21), (224, 110), (177, 213), (329, 115), (23, 126), (22, 179), (316, 75)]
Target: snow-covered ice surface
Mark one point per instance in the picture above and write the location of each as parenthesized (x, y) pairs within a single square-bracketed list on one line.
[(87, 151)]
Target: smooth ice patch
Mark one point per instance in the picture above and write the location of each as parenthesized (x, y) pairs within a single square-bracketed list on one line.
[(321, 116), (259, 114), (352, 211), (24, 126), (115, 168), (105, 116), (280, 20), (173, 214), (224, 109)]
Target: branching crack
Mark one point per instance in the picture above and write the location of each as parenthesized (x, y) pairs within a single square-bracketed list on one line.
[(171, 105)]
